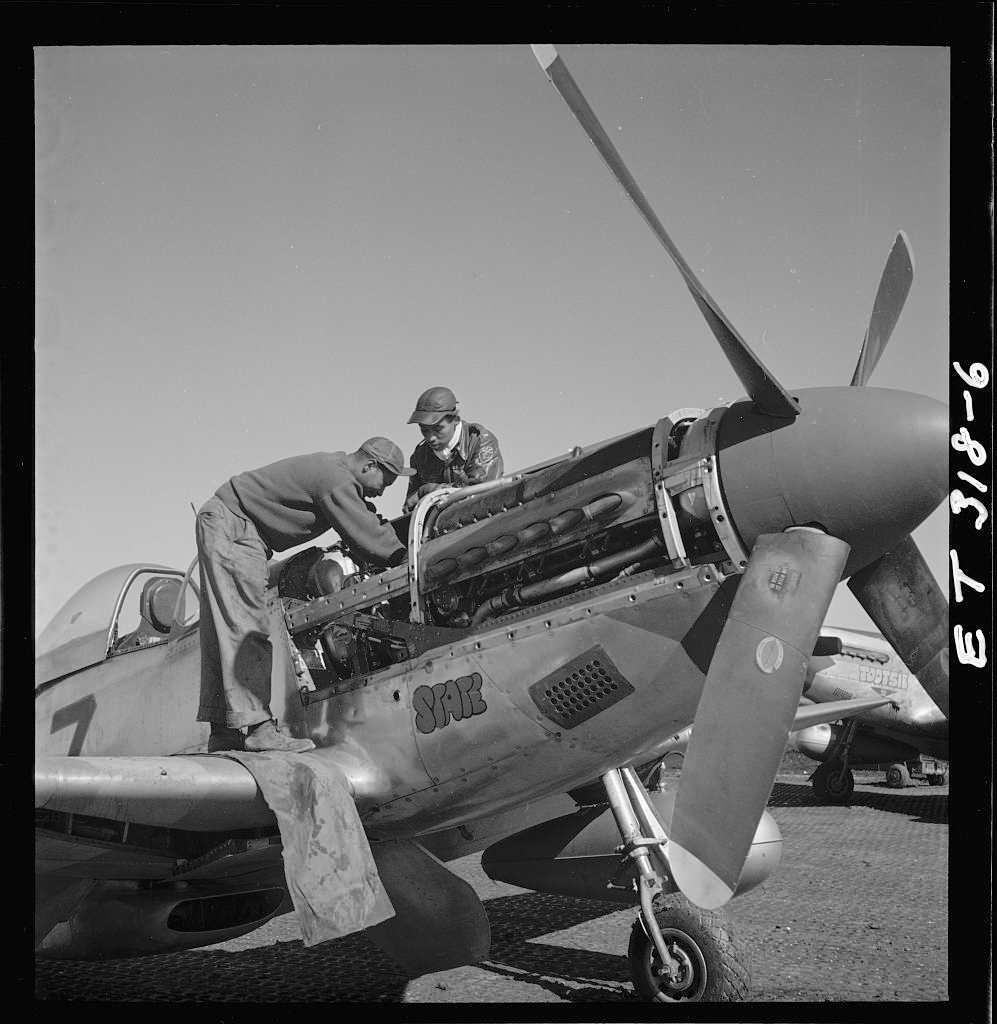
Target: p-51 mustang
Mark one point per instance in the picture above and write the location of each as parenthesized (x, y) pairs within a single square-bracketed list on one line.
[(888, 718), (500, 690), (906, 730)]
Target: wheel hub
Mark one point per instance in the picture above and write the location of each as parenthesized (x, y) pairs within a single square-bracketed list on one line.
[(837, 783), (689, 980), (681, 979)]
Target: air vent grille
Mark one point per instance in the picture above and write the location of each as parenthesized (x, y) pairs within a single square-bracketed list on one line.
[(583, 687)]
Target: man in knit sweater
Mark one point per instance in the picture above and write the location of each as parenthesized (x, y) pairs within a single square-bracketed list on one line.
[(248, 518)]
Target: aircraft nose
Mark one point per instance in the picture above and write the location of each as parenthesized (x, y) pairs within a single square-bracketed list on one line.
[(868, 465)]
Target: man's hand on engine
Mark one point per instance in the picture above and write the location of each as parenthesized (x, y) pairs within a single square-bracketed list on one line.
[(413, 499)]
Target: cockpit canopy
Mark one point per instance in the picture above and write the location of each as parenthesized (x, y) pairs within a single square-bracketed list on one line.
[(123, 609)]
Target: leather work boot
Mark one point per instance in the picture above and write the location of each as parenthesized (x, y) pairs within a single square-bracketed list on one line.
[(224, 738), (266, 736)]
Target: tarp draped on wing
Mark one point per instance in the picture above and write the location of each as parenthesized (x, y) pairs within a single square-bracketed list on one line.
[(330, 872)]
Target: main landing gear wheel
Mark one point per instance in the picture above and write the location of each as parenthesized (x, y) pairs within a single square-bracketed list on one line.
[(712, 965), (833, 782)]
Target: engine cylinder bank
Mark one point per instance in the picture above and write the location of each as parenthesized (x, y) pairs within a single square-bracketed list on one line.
[(484, 549)]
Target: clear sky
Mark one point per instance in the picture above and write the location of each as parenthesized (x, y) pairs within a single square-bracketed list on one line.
[(251, 252)]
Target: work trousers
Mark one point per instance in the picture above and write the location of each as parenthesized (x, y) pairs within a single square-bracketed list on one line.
[(236, 656)]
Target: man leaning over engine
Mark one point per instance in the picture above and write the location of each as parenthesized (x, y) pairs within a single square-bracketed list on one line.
[(250, 516)]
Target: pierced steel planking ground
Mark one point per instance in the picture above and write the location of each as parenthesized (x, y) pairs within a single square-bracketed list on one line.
[(857, 911)]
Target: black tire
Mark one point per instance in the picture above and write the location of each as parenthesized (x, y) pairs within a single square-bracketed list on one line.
[(715, 965), (938, 780), (897, 776), (833, 782)]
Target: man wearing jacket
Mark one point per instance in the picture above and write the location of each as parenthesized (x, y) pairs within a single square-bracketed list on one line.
[(248, 518), (452, 451)]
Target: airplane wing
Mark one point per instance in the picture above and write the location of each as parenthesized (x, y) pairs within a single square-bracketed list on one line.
[(202, 793), (125, 819), (834, 711)]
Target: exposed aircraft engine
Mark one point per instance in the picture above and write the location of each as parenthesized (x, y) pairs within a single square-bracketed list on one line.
[(697, 488), (572, 525), (648, 500)]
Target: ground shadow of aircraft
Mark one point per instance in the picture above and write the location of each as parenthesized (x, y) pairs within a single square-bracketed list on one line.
[(573, 975), (547, 632), (282, 972), (293, 972), (922, 806)]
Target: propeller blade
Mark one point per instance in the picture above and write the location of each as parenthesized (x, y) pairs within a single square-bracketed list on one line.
[(748, 705), (890, 298), (762, 387), (902, 597)]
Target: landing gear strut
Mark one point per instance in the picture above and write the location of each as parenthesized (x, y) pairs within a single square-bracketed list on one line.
[(833, 781), (677, 951)]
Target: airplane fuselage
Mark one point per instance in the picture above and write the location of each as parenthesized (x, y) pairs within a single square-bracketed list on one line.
[(463, 731), (541, 633), (868, 667)]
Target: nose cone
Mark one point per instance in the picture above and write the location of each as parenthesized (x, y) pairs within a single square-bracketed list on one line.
[(867, 464)]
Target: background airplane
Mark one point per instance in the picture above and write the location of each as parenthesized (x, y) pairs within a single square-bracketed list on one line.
[(887, 718), (908, 734), (546, 632)]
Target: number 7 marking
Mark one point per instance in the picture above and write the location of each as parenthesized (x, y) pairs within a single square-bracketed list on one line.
[(80, 712)]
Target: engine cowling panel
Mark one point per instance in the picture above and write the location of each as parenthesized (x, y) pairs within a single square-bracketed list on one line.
[(559, 529)]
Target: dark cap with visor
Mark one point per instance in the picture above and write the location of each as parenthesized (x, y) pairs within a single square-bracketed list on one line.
[(433, 405), (387, 454)]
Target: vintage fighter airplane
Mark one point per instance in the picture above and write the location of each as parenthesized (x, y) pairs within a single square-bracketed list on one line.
[(906, 729), (547, 635), (888, 718)]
